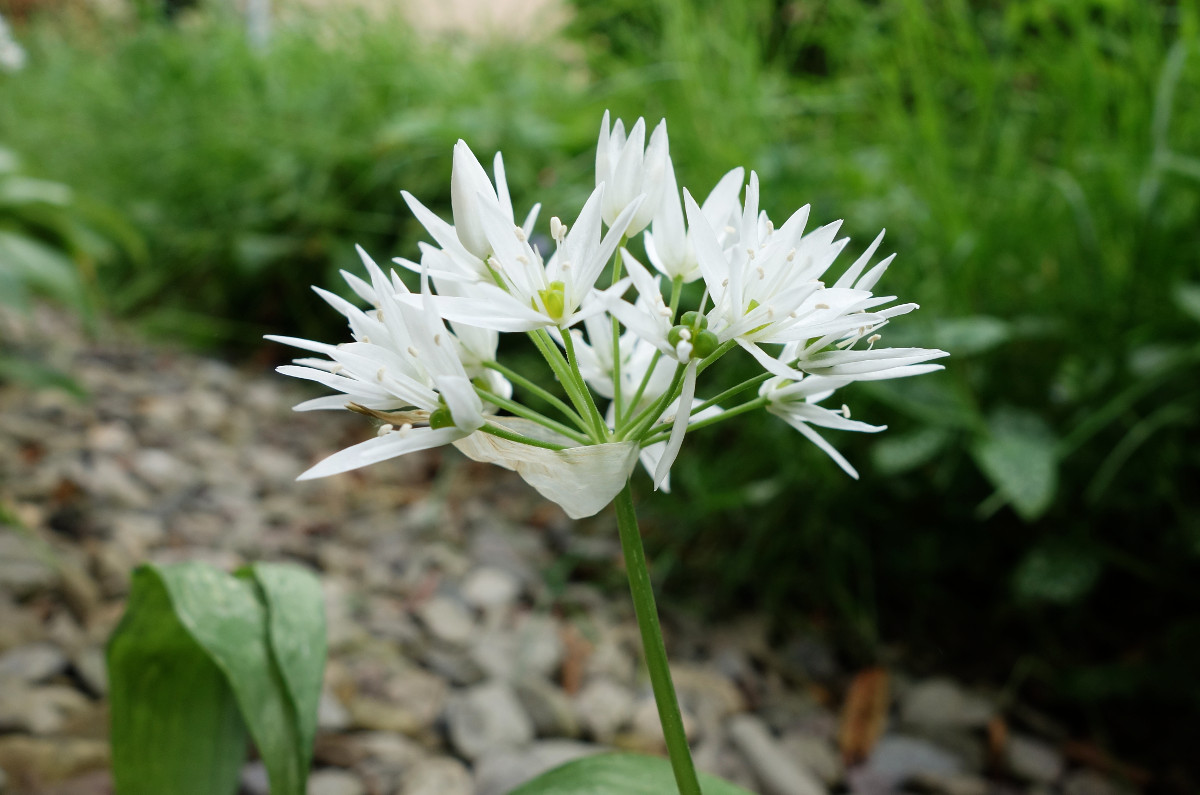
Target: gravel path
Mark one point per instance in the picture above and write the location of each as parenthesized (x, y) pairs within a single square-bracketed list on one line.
[(460, 663)]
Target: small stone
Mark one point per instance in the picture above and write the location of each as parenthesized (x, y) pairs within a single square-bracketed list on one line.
[(440, 775), (34, 663), (22, 571), (501, 771), (39, 710), (1090, 782), (335, 782), (531, 648), (49, 759), (447, 620), (604, 707), (777, 771), (549, 707), (1031, 759), (817, 754), (456, 665), (92, 668), (489, 588), (254, 779), (111, 437), (938, 703), (897, 758), (487, 717), (332, 716), (953, 784), (389, 752)]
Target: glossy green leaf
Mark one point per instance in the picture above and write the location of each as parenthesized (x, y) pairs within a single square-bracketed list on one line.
[(263, 634), (175, 723), (618, 774), (1059, 573), (1018, 456)]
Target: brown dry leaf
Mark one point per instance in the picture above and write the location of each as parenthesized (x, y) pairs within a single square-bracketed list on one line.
[(1092, 756), (574, 665), (863, 714), (997, 740)]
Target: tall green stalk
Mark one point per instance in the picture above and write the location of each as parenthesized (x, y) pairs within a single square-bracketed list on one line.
[(652, 642)]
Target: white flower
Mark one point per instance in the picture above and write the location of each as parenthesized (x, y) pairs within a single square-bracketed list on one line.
[(628, 171), (669, 246), (403, 358), (524, 293)]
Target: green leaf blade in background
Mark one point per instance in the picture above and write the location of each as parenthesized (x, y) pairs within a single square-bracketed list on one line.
[(1018, 455), (263, 634), (618, 774)]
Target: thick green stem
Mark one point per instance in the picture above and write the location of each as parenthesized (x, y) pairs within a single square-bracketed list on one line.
[(652, 642)]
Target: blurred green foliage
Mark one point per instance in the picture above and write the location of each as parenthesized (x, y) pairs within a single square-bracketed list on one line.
[(1032, 510)]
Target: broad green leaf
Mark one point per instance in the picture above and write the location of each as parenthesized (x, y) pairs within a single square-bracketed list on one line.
[(296, 627), (175, 723), (893, 455), (264, 632), (963, 336), (42, 268), (1187, 296), (618, 774), (1018, 456), (1059, 573)]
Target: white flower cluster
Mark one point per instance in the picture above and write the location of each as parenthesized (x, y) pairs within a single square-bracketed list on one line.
[(425, 362)]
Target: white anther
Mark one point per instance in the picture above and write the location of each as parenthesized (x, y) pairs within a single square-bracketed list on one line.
[(762, 274), (566, 266), (729, 230), (822, 306), (337, 368), (683, 351), (558, 230), (521, 258), (365, 339), (685, 333), (750, 253), (724, 282), (791, 255), (379, 373), (385, 429), (874, 338), (520, 233), (770, 226), (412, 351), (437, 339), (845, 411), (405, 428)]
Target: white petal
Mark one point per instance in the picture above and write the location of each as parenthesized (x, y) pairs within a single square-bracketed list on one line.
[(679, 428), (583, 480), (382, 448)]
